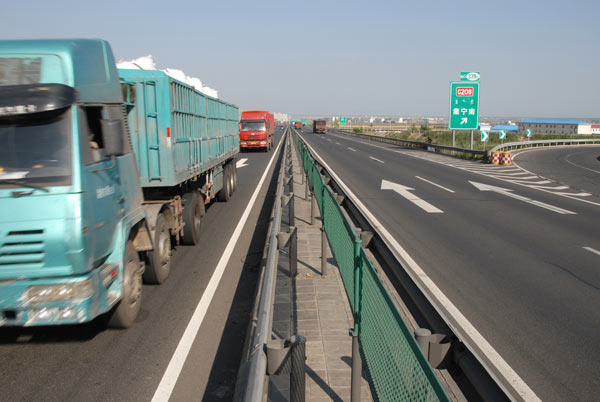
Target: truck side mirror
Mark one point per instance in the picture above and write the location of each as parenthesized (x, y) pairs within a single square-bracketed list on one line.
[(112, 133)]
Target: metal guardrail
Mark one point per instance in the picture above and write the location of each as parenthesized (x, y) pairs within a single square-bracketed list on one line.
[(265, 355), (509, 146), (444, 149), (397, 369), (472, 154)]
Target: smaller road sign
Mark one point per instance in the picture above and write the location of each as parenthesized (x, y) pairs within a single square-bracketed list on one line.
[(472, 76), (485, 136), (528, 133), (502, 134), (342, 119)]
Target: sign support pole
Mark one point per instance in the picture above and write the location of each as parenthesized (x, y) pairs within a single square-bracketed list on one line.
[(471, 139), (453, 137)]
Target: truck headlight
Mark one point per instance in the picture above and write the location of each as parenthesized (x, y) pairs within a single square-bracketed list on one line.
[(67, 291)]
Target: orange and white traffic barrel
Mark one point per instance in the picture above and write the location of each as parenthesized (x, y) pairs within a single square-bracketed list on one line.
[(506, 159), (495, 158)]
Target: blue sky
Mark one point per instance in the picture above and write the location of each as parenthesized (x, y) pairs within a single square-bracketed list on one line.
[(536, 58)]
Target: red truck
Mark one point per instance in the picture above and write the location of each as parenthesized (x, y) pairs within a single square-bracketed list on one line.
[(256, 130), (298, 125), (319, 126)]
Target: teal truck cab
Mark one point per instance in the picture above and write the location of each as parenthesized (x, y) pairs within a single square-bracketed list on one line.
[(78, 231)]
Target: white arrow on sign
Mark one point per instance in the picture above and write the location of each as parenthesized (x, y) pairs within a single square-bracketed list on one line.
[(241, 163), (508, 192), (404, 192), (484, 136), (464, 120)]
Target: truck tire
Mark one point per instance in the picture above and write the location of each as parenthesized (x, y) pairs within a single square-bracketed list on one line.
[(125, 313), (193, 211), (225, 192), (234, 174), (231, 178), (159, 259)]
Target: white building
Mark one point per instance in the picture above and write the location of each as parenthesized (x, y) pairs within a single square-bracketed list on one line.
[(555, 127)]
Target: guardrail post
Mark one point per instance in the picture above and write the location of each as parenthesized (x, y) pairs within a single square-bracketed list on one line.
[(356, 359), (293, 251), (298, 374), (323, 252), (312, 209), (291, 210)]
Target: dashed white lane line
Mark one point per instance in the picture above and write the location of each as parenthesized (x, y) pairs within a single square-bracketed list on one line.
[(352, 149), (375, 159), (169, 379), (592, 250), (435, 184), (338, 143)]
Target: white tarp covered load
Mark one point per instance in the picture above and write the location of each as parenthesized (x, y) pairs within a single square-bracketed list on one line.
[(148, 63)]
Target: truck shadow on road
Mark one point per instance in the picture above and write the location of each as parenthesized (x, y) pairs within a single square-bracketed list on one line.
[(53, 334)]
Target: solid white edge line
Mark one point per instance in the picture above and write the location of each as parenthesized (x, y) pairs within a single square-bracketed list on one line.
[(592, 250), (476, 342), (171, 375), (435, 184)]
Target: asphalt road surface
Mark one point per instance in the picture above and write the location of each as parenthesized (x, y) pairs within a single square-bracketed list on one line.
[(517, 253), (92, 363)]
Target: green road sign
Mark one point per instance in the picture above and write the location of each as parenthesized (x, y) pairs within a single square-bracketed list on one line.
[(485, 136), (342, 119), (464, 106), (502, 134), (528, 133), (472, 76)]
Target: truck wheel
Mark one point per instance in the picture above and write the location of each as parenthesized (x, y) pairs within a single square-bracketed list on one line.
[(231, 179), (193, 211), (234, 174), (125, 313), (225, 192), (159, 259)]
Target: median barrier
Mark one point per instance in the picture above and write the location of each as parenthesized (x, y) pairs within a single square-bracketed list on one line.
[(396, 368)]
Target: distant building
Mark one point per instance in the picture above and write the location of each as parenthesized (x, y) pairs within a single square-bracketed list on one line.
[(595, 129), (509, 128), (555, 127)]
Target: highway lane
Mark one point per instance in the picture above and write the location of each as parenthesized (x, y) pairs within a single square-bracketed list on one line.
[(91, 363), (517, 270), (577, 167)]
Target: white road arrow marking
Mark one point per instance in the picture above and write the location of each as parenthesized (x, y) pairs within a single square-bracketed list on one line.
[(592, 250), (404, 192), (509, 193), (241, 163)]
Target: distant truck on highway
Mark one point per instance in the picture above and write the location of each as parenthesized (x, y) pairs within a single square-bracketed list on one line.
[(257, 128), (319, 126), (102, 171), (297, 125)]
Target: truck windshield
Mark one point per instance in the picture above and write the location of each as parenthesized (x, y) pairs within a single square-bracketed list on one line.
[(36, 149), (253, 126)]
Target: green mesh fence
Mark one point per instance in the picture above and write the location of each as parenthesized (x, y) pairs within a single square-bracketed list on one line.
[(341, 240), (396, 368)]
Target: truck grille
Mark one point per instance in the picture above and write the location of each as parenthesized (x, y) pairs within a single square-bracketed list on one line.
[(22, 247)]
